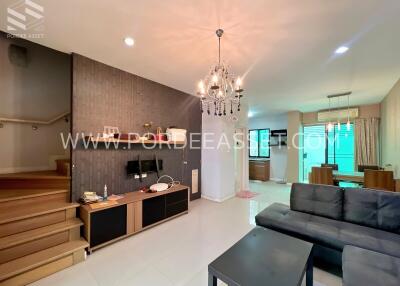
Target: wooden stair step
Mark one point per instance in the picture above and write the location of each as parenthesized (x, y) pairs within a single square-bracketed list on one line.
[(14, 214), (17, 194), (32, 261), (39, 175), (35, 180), (23, 237)]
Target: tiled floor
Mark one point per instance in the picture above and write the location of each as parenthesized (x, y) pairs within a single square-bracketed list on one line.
[(178, 252)]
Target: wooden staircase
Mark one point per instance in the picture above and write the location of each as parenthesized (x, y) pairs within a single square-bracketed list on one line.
[(39, 230), (63, 167)]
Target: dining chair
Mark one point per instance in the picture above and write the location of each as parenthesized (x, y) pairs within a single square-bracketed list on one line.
[(334, 167), (379, 179), (321, 176), (362, 168)]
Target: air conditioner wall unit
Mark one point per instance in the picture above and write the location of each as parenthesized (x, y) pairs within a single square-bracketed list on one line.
[(341, 114)]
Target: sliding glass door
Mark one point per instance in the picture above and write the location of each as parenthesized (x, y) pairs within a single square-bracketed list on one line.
[(341, 148), (314, 148), (332, 147)]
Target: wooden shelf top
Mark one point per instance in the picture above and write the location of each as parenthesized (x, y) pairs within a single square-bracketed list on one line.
[(25, 263), (14, 214), (149, 142), (134, 197)]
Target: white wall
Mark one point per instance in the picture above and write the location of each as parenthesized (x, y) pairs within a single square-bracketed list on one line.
[(242, 153), (217, 158), (278, 157)]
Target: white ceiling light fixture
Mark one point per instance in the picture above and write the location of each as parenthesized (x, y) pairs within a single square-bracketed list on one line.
[(220, 88), (341, 50), (129, 41)]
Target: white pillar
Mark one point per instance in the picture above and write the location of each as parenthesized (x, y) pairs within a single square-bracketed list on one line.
[(217, 158)]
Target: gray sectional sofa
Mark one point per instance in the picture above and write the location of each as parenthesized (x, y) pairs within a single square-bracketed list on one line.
[(340, 220), (363, 267)]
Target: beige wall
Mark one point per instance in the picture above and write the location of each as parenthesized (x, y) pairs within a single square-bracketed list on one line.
[(390, 129), (294, 124), (365, 111), (24, 149)]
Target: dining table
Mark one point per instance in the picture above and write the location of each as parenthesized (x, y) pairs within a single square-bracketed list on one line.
[(346, 176)]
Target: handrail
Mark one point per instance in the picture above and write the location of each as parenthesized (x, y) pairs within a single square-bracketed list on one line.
[(38, 122)]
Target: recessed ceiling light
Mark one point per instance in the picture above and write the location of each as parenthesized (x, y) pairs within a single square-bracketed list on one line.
[(129, 41), (341, 50), (250, 114)]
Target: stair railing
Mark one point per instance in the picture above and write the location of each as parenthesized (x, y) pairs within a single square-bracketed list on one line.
[(34, 122)]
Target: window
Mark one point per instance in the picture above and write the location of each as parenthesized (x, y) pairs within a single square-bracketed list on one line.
[(259, 140)]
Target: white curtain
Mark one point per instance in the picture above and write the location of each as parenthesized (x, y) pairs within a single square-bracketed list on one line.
[(366, 134)]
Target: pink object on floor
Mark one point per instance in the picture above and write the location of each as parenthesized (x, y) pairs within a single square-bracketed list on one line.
[(246, 194)]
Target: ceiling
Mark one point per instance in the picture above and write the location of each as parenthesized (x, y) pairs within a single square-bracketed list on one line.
[(283, 48)]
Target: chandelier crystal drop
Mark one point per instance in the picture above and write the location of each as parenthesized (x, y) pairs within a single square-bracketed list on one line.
[(220, 90)]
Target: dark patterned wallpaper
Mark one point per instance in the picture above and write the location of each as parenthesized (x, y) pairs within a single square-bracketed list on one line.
[(106, 96)]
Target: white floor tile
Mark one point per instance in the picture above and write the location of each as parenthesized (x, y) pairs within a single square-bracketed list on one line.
[(147, 276)]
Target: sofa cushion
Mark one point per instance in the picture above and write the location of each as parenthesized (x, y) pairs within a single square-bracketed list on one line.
[(364, 267), (378, 209), (370, 238), (328, 232), (322, 200), (313, 228)]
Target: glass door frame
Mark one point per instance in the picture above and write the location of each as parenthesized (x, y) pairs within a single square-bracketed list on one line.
[(304, 175)]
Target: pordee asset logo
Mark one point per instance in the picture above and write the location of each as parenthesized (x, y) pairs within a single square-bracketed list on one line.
[(25, 19)]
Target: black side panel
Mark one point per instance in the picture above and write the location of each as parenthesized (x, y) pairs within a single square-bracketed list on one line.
[(153, 210), (107, 225), (177, 197), (177, 208)]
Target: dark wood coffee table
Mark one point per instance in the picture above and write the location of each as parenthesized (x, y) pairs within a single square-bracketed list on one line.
[(264, 257)]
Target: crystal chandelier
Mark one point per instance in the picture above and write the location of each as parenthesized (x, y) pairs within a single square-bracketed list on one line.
[(220, 90)]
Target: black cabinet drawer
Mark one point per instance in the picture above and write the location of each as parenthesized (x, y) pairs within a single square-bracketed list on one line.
[(177, 197), (107, 225), (177, 208), (153, 210)]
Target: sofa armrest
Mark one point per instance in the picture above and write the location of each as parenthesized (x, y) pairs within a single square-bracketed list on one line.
[(276, 211)]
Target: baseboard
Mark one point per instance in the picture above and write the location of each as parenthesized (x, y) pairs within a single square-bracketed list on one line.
[(13, 170), (218, 200)]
